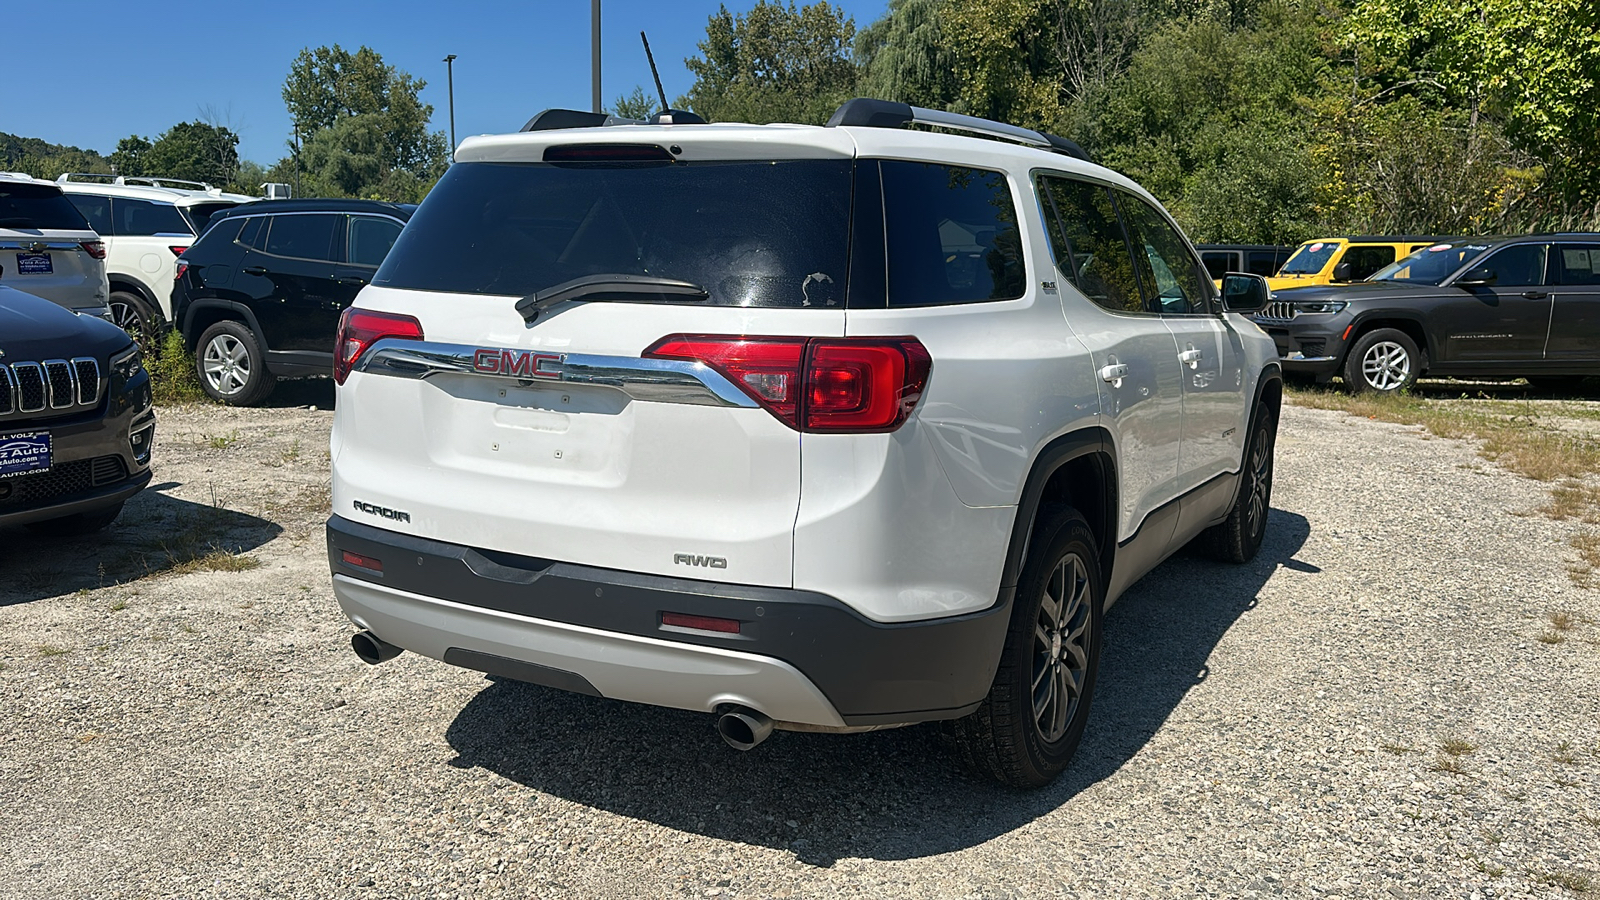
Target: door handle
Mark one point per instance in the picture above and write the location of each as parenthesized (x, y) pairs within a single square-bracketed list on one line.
[(1191, 356), (253, 270), (1534, 295), (351, 279), (1114, 373)]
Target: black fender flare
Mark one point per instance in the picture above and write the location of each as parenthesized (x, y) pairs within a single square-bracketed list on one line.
[(1094, 440), (237, 311)]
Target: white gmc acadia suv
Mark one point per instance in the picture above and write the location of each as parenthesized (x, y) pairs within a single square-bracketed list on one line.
[(820, 429)]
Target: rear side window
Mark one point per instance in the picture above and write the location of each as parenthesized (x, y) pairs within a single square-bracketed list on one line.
[(251, 235), (1580, 263), (302, 236), (141, 217), (1261, 262), (1364, 261), (96, 209), (952, 235), (1217, 263), (38, 206), (1090, 247), (370, 239), (1168, 270), (762, 233)]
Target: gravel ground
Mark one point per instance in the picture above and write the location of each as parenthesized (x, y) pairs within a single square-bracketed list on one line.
[(1366, 710)]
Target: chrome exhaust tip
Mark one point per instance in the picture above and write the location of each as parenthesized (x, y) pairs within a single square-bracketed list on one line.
[(743, 729), (371, 650)]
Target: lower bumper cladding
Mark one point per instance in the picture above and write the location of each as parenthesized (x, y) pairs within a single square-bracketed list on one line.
[(799, 657)]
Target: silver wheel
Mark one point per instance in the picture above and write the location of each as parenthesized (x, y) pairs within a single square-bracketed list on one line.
[(126, 317), (1061, 647), (1386, 366), (226, 364)]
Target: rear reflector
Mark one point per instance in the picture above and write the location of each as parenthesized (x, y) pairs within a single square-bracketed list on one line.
[(361, 562), (700, 623), (848, 385), (359, 329), (96, 249)]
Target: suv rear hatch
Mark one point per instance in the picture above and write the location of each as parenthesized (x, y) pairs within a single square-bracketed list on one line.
[(551, 435), (48, 249)]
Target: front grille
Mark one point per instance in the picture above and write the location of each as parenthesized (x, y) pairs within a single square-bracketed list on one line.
[(56, 385), (63, 480), (1277, 311)]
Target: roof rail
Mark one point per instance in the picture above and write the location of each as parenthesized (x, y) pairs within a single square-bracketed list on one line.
[(870, 113), (553, 119), (69, 177)]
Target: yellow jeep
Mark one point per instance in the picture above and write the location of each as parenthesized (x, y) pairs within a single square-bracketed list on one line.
[(1340, 259)]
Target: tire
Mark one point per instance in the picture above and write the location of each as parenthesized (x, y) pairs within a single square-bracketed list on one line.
[(132, 314), (1237, 538), (1022, 735), (1384, 360), (78, 523), (231, 366)]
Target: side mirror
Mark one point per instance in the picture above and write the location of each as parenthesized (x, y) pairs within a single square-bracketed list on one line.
[(1343, 271), (1482, 276), (1242, 293)]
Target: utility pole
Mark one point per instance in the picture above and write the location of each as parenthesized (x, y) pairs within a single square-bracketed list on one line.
[(594, 27), (450, 79)]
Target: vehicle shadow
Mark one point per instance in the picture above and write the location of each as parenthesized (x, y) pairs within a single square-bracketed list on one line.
[(882, 795), (301, 392), (156, 533)]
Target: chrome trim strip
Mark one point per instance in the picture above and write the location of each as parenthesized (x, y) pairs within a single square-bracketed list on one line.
[(99, 379), (27, 246), (1297, 356), (657, 380), (12, 390), (71, 399)]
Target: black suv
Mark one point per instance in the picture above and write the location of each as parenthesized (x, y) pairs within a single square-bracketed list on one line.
[(76, 425), (1498, 307), (258, 297)]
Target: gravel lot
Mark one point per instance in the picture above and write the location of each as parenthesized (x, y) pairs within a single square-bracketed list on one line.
[(1366, 710)]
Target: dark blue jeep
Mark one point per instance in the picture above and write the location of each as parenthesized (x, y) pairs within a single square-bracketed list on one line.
[(76, 426)]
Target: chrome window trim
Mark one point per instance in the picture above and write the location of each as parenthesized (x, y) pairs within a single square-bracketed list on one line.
[(657, 380)]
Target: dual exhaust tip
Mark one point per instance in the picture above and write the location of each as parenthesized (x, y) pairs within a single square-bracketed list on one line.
[(740, 727)]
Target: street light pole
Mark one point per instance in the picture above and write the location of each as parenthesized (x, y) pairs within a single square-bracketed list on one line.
[(450, 78), (594, 28)]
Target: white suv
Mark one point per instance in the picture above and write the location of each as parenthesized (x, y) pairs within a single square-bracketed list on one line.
[(47, 249), (815, 428), (146, 224)]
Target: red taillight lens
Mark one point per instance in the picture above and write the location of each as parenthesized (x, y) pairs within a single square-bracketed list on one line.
[(817, 384), (362, 562), (96, 249), (360, 329), (768, 369), (183, 269), (177, 251)]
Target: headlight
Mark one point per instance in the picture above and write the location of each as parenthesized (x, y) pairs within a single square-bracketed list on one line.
[(1326, 306), (128, 364)]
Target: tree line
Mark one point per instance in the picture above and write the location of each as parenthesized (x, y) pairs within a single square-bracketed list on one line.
[(1252, 120)]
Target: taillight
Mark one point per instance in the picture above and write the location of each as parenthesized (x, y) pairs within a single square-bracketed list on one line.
[(182, 269), (856, 385), (177, 251), (360, 329), (96, 249)]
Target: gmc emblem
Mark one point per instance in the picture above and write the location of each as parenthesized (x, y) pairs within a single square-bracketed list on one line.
[(517, 363), (690, 559)]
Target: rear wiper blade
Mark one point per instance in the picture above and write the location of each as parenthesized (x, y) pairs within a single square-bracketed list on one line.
[(617, 288)]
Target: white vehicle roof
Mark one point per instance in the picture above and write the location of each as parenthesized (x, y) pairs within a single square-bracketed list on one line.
[(23, 177), (72, 183)]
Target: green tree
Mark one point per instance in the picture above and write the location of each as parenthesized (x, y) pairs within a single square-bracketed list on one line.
[(192, 150), (773, 64), (906, 56), (364, 128), (129, 157), (634, 105)]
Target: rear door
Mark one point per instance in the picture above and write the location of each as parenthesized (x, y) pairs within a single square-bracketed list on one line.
[(556, 438), (300, 258), (1134, 353), (1575, 314), (149, 236)]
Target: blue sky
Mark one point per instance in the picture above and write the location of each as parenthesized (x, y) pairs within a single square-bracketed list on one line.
[(114, 69)]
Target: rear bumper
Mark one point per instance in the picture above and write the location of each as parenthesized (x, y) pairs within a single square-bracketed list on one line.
[(799, 657)]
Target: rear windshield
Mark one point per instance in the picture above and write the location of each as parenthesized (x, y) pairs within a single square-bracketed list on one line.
[(1432, 264), (751, 233), (200, 214), (38, 206), (1310, 258)]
